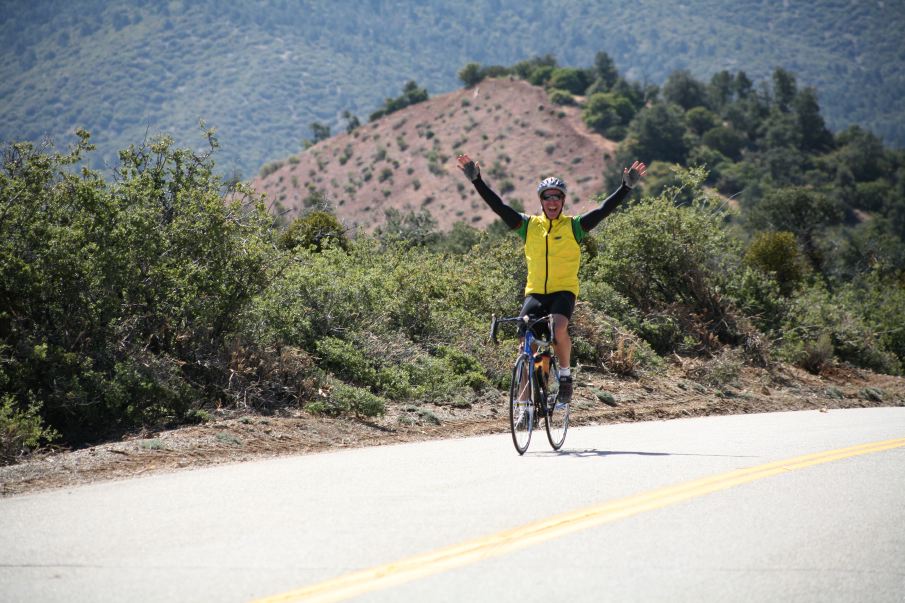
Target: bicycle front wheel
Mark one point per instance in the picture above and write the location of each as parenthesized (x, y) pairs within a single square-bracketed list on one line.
[(557, 416), (521, 405)]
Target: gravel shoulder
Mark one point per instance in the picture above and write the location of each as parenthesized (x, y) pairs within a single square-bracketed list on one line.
[(236, 436)]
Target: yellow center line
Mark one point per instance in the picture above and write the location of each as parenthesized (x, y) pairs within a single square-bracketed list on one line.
[(444, 559)]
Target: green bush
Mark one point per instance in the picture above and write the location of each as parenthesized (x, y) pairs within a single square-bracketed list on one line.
[(21, 430), (570, 79), (118, 297), (672, 264), (471, 75), (881, 300), (604, 112), (561, 97), (540, 75), (315, 230), (357, 400), (840, 318), (758, 296), (800, 211), (778, 254), (405, 322), (700, 120), (725, 140), (269, 168)]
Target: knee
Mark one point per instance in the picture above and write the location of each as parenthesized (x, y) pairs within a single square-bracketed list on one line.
[(561, 327)]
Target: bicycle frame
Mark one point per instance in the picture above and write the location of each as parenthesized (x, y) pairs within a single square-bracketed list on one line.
[(524, 417), (527, 347)]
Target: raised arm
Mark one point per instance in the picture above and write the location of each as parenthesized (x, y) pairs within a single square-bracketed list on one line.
[(472, 170), (630, 177)]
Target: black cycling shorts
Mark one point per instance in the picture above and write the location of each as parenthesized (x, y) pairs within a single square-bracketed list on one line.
[(541, 304)]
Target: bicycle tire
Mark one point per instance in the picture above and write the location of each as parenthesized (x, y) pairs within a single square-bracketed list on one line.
[(556, 418), (521, 411)]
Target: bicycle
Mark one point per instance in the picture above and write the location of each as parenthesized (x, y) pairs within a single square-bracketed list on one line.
[(534, 391)]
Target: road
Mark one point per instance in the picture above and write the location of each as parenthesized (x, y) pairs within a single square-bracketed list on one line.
[(687, 510)]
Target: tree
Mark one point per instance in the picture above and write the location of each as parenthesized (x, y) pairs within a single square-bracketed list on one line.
[(411, 94), (800, 211), (352, 121), (608, 113), (471, 75), (683, 90), (784, 89), (725, 140), (742, 85), (720, 90), (605, 70), (574, 80), (524, 69), (815, 136), (319, 132), (657, 133), (862, 153), (700, 119), (780, 130)]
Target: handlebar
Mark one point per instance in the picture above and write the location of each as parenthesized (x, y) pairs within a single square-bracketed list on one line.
[(528, 320)]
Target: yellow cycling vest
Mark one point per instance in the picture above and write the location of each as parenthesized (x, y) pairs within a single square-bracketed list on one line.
[(552, 253)]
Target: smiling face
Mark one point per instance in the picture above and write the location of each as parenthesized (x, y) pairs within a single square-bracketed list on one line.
[(552, 201)]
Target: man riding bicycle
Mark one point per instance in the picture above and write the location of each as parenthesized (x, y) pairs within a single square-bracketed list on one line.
[(551, 250)]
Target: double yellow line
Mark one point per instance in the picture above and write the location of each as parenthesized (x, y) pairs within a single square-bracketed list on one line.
[(494, 545)]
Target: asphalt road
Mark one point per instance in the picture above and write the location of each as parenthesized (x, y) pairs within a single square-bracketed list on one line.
[(688, 510)]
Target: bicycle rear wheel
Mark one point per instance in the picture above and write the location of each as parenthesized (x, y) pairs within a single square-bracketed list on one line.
[(557, 417), (521, 405)]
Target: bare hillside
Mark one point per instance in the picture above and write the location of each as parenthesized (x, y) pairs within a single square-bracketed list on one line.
[(406, 160)]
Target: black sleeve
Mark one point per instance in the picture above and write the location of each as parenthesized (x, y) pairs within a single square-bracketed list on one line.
[(512, 218), (596, 216)]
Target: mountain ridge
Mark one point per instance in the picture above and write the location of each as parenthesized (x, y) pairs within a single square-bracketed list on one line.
[(262, 72)]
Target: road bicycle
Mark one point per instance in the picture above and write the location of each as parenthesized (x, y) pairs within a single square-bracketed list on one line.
[(534, 392)]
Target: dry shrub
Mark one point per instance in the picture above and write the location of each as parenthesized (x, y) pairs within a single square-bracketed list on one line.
[(600, 340), (723, 370), (622, 360), (816, 355), (273, 376), (756, 348)]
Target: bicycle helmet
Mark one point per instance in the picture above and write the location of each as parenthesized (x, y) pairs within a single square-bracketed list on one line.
[(551, 183)]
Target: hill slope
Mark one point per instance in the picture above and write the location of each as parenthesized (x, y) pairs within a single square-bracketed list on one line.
[(406, 160), (263, 71)]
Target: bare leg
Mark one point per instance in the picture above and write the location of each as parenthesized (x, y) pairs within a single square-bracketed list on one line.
[(563, 345)]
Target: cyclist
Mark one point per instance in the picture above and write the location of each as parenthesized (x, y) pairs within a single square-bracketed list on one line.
[(551, 250)]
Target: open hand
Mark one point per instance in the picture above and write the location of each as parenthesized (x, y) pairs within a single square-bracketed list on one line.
[(632, 176), (471, 168)]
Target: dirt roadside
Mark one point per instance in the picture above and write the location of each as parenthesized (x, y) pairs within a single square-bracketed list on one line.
[(233, 436)]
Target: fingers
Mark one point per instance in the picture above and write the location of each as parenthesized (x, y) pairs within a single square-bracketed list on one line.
[(638, 166)]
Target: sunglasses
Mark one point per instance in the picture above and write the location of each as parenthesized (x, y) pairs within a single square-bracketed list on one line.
[(552, 197)]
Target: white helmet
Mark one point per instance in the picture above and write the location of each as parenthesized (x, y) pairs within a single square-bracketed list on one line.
[(551, 183)]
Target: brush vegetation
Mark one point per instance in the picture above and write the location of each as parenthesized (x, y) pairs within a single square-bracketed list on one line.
[(155, 296)]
